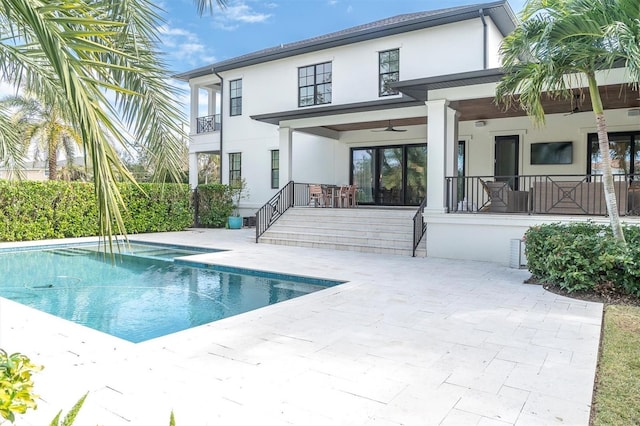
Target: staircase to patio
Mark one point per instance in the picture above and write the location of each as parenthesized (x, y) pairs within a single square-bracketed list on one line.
[(363, 229)]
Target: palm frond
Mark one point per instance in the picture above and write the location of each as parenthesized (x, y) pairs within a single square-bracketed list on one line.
[(204, 6)]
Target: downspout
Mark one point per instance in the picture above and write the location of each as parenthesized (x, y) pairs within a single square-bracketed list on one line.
[(484, 39), (221, 115)]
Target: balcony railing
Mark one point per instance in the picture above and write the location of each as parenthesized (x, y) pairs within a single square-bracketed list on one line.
[(210, 123), (541, 194)]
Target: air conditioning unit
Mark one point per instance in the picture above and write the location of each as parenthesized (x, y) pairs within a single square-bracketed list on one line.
[(517, 258)]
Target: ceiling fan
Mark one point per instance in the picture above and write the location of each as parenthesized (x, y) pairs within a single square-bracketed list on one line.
[(390, 128)]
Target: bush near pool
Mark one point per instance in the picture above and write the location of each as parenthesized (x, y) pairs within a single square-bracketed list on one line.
[(580, 256)]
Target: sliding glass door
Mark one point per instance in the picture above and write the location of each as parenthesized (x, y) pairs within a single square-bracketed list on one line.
[(390, 175)]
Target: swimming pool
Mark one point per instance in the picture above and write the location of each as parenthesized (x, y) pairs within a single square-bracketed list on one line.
[(144, 292)]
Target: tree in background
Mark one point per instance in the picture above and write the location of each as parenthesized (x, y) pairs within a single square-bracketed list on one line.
[(45, 128), (562, 44)]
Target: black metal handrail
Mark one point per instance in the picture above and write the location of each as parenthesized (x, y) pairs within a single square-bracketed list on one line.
[(209, 123), (419, 226), (541, 194), (292, 194)]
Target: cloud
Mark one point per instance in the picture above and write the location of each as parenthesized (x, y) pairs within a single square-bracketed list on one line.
[(332, 2), (7, 89), (238, 13), (184, 47)]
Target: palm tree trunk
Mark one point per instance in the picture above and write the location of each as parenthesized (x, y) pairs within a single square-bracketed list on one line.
[(607, 175), (53, 164)]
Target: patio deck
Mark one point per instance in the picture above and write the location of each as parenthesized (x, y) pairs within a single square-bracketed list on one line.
[(406, 341)]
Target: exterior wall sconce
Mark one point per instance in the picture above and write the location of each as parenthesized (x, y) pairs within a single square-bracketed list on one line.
[(482, 123)]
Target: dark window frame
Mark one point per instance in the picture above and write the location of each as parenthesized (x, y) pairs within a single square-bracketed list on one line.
[(235, 97), (375, 158), (592, 138), (235, 173), (391, 74), (275, 169), (314, 78)]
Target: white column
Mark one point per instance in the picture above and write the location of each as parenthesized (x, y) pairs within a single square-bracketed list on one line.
[(441, 152), (451, 151), (211, 101), (193, 169), (286, 145), (194, 109), (451, 144)]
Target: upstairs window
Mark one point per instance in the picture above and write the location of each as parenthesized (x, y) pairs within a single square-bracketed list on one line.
[(235, 95), (389, 71), (235, 167), (314, 85)]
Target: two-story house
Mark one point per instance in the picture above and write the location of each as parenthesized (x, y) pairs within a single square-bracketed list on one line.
[(404, 109)]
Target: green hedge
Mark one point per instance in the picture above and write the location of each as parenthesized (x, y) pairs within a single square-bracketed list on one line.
[(582, 255), (55, 209), (215, 205)]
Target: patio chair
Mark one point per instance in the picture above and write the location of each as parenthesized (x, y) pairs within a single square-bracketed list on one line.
[(317, 196), (505, 200), (352, 199)]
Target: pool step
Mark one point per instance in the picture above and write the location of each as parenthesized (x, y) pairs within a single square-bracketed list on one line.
[(72, 251)]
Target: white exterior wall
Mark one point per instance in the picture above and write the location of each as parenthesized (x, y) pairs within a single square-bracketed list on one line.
[(487, 238), (273, 86), (494, 40)]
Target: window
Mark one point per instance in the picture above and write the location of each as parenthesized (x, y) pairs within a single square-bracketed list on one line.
[(624, 150), (235, 89), (235, 164), (275, 169), (389, 70), (314, 85)]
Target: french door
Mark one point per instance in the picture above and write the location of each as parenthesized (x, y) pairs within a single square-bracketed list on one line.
[(506, 159), (390, 175)]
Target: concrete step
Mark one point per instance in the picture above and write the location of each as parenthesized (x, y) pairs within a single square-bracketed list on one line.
[(351, 228), (339, 246), (361, 229), (339, 238)]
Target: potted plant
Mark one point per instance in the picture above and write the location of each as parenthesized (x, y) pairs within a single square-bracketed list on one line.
[(237, 191)]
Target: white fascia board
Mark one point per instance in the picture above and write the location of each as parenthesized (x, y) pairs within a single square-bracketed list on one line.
[(205, 80), (358, 117), (485, 90)]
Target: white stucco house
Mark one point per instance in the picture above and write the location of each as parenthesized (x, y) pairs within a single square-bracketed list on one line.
[(323, 110)]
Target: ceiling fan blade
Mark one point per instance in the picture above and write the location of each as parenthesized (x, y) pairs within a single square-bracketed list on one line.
[(389, 128)]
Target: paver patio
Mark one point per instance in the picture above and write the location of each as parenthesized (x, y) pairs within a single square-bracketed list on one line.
[(406, 341)]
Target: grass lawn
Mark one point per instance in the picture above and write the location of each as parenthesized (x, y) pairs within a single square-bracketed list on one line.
[(617, 392)]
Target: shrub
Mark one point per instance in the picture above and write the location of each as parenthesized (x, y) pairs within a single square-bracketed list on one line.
[(215, 205), (55, 209), (16, 385), (582, 255)]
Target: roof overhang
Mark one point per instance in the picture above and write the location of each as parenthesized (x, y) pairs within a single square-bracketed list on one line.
[(419, 88), (329, 110)]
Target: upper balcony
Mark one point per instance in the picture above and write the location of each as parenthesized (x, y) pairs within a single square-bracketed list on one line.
[(207, 124)]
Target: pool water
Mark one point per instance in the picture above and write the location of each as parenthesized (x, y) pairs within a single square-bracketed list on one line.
[(141, 293)]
